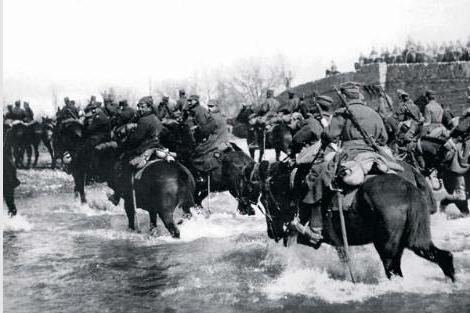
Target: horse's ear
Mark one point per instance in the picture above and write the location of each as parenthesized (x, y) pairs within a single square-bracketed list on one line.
[(263, 169)]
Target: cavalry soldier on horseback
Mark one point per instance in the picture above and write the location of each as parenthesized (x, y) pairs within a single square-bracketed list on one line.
[(342, 129), (292, 104), (9, 114), (18, 114), (68, 111), (137, 146), (312, 128), (97, 128), (264, 114), (163, 109), (433, 113), (29, 115), (125, 114), (182, 102), (410, 120), (214, 134)]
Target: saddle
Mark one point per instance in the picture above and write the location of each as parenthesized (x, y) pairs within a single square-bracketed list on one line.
[(354, 172), (140, 161)]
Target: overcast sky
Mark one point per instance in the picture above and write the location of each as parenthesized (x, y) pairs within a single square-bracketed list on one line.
[(78, 46)]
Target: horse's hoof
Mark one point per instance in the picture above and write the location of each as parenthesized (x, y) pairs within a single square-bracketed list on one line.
[(153, 232), (12, 213)]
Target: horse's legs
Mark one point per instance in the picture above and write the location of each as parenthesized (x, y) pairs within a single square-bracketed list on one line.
[(278, 155), (48, 145), (153, 220), (79, 180), (18, 153), (29, 152), (167, 217), (36, 154), (388, 243), (8, 195), (396, 263), (442, 258), (252, 152), (130, 212)]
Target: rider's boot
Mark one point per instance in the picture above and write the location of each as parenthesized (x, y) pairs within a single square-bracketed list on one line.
[(311, 234)]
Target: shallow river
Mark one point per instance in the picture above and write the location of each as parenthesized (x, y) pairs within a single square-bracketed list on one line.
[(60, 256)]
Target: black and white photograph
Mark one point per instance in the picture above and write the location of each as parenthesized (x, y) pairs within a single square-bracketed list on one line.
[(236, 156)]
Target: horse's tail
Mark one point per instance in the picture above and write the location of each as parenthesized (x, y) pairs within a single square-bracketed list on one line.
[(418, 222), (187, 179), (425, 190)]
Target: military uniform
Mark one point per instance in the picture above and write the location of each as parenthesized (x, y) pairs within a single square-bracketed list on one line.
[(433, 113), (29, 115), (291, 106), (97, 129), (18, 114), (215, 132), (145, 135), (313, 126), (182, 103), (125, 114), (340, 128), (163, 111), (68, 111)]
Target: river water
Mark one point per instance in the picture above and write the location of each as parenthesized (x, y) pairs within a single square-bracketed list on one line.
[(60, 256)]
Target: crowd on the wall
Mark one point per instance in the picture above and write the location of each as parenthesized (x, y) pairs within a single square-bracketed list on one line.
[(417, 52)]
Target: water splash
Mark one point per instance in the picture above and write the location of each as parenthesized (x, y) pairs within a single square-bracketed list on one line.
[(16, 223), (319, 274)]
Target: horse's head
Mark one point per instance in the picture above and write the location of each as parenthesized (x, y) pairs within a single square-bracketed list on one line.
[(177, 137), (68, 136), (282, 137), (250, 190), (433, 151), (276, 197)]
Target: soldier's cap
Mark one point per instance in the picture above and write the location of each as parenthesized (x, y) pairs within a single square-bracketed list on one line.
[(290, 92), (17, 102), (212, 103), (270, 92), (90, 106), (402, 93), (10, 106), (324, 102), (165, 98), (194, 97), (123, 103), (430, 92), (351, 90), (148, 100), (182, 92)]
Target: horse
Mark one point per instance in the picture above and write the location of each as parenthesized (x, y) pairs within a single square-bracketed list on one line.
[(387, 211), (433, 153), (161, 187), (278, 138), (177, 137), (26, 137)]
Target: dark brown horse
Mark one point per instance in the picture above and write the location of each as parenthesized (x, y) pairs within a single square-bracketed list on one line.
[(160, 189), (26, 137), (434, 153), (226, 177), (278, 138), (387, 211)]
